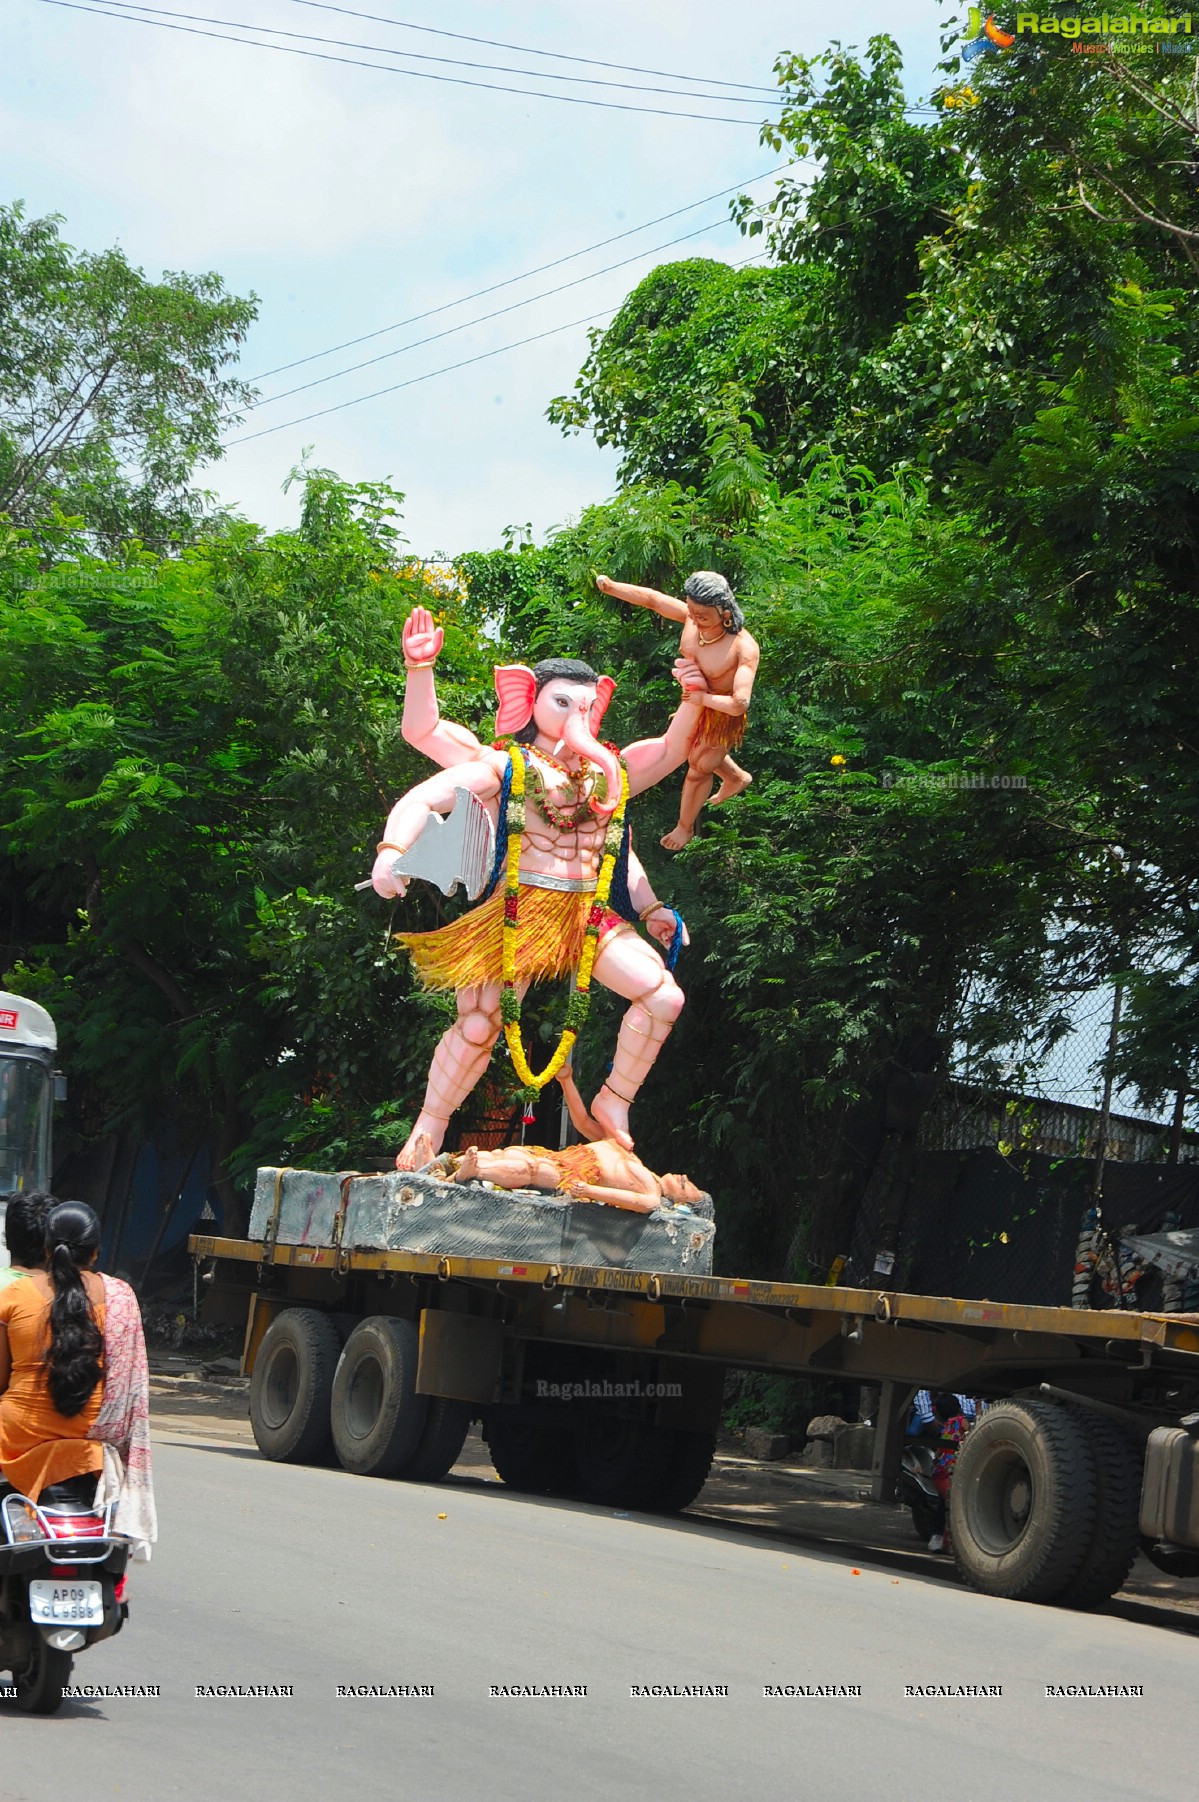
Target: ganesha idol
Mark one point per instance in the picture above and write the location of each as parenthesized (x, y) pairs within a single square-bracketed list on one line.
[(566, 887)]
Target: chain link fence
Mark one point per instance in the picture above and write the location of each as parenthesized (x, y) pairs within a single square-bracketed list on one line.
[(1024, 1176)]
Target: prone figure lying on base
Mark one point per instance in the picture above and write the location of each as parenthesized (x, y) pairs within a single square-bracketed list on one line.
[(600, 1170)]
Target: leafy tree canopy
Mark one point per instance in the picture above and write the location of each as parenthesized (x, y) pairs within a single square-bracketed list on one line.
[(113, 388)]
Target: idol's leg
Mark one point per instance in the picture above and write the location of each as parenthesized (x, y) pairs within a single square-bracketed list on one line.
[(630, 967), (733, 780), (462, 1055), (697, 786)]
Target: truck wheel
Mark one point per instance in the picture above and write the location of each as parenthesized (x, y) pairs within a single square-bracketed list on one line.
[(291, 1387), (1109, 1556), (441, 1442), (1022, 1502), (538, 1460), (691, 1458), (378, 1418), (40, 1685), (623, 1463)]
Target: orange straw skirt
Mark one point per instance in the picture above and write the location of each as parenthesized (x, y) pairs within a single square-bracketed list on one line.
[(727, 729)]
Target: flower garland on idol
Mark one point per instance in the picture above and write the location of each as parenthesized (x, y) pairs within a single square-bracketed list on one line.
[(580, 1000)]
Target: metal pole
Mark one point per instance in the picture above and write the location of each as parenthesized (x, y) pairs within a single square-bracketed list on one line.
[(1105, 1111)]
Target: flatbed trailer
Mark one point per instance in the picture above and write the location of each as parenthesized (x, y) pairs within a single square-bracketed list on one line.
[(608, 1383)]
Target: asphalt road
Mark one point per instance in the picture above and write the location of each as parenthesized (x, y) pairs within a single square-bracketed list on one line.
[(269, 1575)]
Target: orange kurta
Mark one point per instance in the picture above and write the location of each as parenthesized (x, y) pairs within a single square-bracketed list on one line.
[(38, 1445)]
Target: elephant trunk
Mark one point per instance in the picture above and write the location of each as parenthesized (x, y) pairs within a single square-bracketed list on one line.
[(581, 740)]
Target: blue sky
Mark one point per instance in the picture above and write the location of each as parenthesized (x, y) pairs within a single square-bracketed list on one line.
[(348, 199)]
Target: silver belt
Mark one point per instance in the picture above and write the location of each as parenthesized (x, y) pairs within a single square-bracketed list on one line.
[(562, 885)]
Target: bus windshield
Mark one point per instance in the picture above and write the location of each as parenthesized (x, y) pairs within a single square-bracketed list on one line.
[(26, 1099)]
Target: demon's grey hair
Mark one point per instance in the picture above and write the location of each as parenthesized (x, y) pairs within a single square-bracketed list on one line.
[(708, 589)]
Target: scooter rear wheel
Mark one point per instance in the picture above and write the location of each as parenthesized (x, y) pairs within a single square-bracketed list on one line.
[(40, 1684)]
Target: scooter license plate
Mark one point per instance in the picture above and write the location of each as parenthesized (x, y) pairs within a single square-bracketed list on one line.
[(66, 1604)]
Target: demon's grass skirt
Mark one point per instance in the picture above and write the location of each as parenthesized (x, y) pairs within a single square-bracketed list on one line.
[(726, 729), (469, 952)]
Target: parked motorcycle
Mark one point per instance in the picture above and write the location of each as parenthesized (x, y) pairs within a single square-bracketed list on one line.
[(918, 1492), (62, 1589)]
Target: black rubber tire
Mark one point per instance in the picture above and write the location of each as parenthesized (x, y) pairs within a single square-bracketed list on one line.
[(292, 1386), (1022, 1502), (441, 1442), (691, 1458), (1116, 1539), (537, 1460), (623, 1463), (378, 1418), (40, 1685)]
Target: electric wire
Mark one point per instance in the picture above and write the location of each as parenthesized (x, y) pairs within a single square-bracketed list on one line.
[(447, 369), (463, 37), (136, 8), (353, 62), (495, 287), (482, 318)]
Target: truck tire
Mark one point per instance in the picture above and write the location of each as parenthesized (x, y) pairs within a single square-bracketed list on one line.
[(623, 1463), (1113, 1547), (690, 1462), (378, 1418), (441, 1442), (291, 1387), (537, 1460), (1022, 1503)]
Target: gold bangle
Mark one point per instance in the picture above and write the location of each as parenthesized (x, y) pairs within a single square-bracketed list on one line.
[(385, 844), (427, 664), (627, 1099), (652, 909)]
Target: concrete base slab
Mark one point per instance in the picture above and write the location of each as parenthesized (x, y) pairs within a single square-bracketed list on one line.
[(405, 1211)]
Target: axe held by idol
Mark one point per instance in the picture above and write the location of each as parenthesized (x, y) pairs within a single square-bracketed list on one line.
[(457, 847)]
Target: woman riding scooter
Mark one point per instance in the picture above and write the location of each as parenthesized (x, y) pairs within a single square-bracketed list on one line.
[(51, 1365)]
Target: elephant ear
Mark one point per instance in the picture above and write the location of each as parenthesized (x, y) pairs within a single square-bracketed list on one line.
[(605, 688), (516, 687)]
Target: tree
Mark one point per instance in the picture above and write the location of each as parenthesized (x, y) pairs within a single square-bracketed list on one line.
[(113, 388)]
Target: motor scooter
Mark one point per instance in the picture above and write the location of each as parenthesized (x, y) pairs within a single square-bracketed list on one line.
[(62, 1589)]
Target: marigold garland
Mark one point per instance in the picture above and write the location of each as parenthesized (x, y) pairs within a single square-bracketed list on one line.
[(580, 998)]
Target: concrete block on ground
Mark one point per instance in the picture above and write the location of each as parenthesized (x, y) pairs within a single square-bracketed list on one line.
[(853, 1447), (761, 1443), (405, 1211)]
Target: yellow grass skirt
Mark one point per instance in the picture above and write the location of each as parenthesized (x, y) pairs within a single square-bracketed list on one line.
[(469, 952)]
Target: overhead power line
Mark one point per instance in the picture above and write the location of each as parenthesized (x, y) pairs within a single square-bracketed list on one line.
[(461, 81), (482, 319), (137, 7), (510, 281), (448, 368), (564, 56)]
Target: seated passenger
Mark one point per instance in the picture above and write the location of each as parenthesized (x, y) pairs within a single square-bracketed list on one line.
[(51, 1353)]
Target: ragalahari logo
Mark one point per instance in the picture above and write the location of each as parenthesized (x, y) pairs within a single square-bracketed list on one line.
[(1109, 34), (984, 38)]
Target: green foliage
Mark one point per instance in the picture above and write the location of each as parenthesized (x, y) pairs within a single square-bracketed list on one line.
[(112, 388)]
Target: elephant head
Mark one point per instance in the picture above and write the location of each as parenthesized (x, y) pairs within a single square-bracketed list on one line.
[(565, 701)]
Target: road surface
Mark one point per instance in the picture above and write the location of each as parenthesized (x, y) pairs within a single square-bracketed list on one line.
[(305, 1581)]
